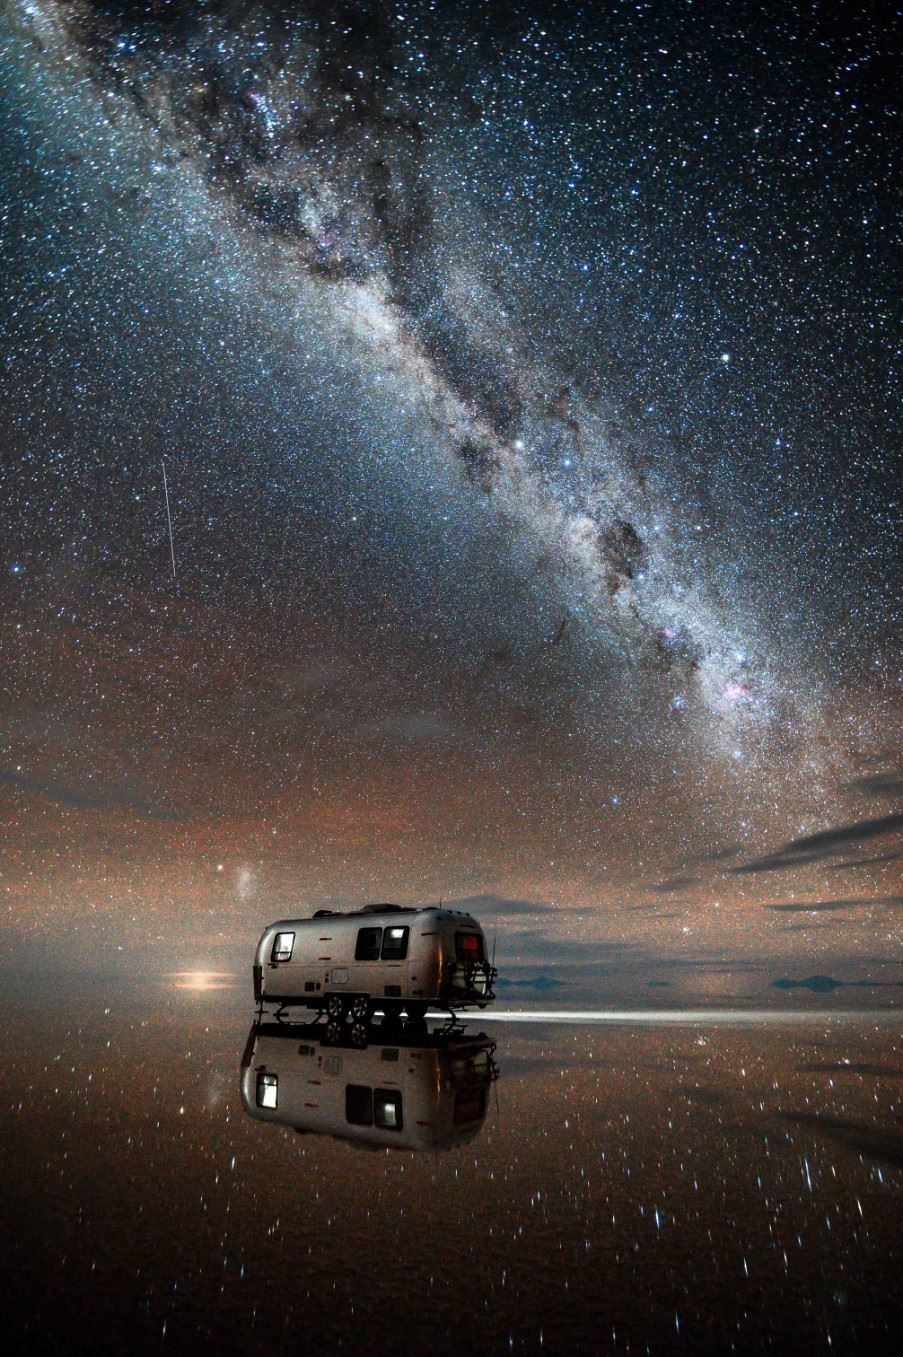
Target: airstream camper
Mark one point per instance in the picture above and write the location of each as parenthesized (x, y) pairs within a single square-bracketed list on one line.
[(411, 1095), (382, 958)]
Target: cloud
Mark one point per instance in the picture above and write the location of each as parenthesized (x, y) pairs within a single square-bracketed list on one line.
[(862, 1137), (529, 945), (492, 905), (776, 862), (861, 1068), (538, 982), (93, 796), (825, 844), (864, 862), (878, 784), (819, 906), (324, 672), (847, 834), (730, 850), (704, 1097), (411, 727)]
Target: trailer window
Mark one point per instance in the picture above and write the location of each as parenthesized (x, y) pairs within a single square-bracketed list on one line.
[(469, 946), (282, 947), (368, 940), (267, 1090), (395, 944), (379, 1107), (359, 1105), (387, 1109), (470, 1105)]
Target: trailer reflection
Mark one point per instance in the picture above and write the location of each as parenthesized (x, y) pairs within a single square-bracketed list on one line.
[(416, 1091)]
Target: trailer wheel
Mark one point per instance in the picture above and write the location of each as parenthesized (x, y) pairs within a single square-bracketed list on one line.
[(335, 1006), (359, 1032), (360, 1009), (332, 1032)]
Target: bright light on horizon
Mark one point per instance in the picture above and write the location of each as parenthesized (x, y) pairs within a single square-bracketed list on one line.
[(202, 980), (689, 1016)]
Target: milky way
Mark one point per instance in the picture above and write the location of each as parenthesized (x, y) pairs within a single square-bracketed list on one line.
[(523, 383), (322, 140)]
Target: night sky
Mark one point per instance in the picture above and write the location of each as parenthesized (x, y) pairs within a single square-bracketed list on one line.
[(524, 380)]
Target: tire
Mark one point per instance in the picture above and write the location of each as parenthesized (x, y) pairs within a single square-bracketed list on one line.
[(335, 1006), (333, 1032), (392, 1018), (359, 1034), (360, 1009)]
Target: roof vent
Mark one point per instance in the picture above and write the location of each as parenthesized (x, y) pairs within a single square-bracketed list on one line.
[(383, 909), (321, 913)]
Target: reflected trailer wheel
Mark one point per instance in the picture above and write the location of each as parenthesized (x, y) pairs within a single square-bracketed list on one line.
[(359, 1034), (335, 1007), (360, 1009), (332, 1032)]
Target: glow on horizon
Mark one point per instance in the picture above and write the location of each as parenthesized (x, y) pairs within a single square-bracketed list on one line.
[(202, 980)]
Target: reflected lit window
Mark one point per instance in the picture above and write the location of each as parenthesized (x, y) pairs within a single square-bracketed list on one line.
[(267, 1090), (282, 947), (368, 940), (368, 1107), (395, 944), (387, 1109)]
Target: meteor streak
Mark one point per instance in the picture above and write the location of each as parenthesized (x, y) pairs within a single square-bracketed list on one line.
[(172, 550)]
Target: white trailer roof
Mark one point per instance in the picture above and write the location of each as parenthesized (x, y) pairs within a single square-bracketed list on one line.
[(380, 912)]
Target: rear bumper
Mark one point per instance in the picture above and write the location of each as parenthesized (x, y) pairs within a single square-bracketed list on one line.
[(258, 983)]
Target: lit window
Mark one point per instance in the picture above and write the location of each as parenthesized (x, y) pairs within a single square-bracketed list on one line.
[(267, 1090), (395, 944), (387, 1109), (469, 946), (282, 947)]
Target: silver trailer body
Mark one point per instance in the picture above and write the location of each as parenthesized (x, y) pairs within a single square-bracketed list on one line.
[(381, 958), (403, 1096)]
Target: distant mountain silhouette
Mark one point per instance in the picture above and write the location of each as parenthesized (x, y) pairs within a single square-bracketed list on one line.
[(819, 984), (824, 984)]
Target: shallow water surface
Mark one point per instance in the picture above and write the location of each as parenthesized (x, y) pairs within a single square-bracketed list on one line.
[(659, 1187)]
